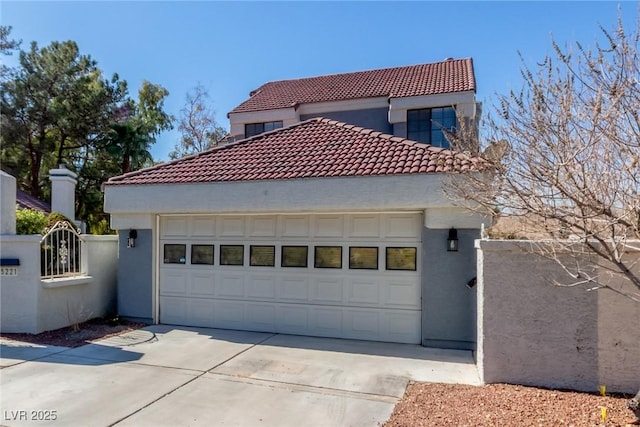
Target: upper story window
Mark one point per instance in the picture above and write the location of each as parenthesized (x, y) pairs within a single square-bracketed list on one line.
[(251, 129), (425, 125)]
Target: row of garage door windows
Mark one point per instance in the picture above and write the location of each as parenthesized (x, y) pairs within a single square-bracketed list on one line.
[(396, 258)]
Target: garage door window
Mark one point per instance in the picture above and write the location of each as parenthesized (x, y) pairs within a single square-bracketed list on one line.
[(401, 259), (294, 256), (202, 254), (175, 253), (365, 258), (231, 255), (262, 256), (328, 257)]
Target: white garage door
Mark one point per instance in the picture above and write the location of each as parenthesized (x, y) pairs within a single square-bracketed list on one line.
[(345, 275)]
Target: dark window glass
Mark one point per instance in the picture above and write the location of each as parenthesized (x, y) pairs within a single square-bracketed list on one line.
[(363, 258), (231, 255), (272, 126), (328, 257), (175, 253), (262, 256), (202, 254), (294, 256), (425, 125), (251, 129), (401, 258)]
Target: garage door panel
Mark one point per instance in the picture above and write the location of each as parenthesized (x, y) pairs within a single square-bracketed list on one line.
[(201, 283), (262, 226), (293, 319), (174, 281), (203, 226), (364, 226), (231, 226), (228, 314), (326, 321), (401, 326), (230, 285), (363, 323), (260, 317), (326, 290), (401, 226), (363, 291), (174, 310), (329, 226), (200, 312), (175, 227), (402, 293), (293, 288), (261, 287), (294, 226)]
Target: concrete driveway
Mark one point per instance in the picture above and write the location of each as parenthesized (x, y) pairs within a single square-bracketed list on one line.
[(178, 376)]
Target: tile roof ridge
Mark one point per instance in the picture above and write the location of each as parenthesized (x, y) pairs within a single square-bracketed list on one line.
[(398, 67), (472, 75)]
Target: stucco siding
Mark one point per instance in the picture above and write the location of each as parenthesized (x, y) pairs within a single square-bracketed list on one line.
[(20, 293), (369, 193), (374, 118), (135, 276), (534, 333), (400, 129), (33, 305), (448, 305)]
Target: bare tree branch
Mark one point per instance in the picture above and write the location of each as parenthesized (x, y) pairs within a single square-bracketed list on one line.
[(197, 125), (563, 158)]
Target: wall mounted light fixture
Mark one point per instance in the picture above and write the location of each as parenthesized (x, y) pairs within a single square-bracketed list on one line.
[(452, 240), (131, 241)]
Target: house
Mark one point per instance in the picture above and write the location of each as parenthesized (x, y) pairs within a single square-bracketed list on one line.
[(412, 102), (326, 217), (27, 201)]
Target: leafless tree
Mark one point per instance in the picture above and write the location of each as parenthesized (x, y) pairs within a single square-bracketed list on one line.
[(198, 127), (563, 158)]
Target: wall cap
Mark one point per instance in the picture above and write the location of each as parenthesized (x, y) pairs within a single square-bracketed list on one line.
[(66, 281), (492, 245), (20, 238)]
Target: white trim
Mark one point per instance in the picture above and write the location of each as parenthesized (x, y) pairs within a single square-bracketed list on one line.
[(464, 101), (411, 211), (237, 121), (155, 280), (443, 218), (346, 105), (60, 282)]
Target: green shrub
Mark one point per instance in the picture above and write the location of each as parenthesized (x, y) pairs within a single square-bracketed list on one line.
[(55, 217), (98, 225), (30, 221)]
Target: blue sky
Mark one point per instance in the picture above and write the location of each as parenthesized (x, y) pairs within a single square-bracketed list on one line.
[(234, 47)]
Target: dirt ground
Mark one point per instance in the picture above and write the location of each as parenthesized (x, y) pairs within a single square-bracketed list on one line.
[(499, 405), (82, 334), (431, 404)]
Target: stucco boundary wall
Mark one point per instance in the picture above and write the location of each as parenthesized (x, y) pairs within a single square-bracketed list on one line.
[(33, 305), (532, 332)]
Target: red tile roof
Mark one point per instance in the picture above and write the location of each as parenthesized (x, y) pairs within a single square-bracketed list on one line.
[(452, 75), (311, 149), (27, 201)]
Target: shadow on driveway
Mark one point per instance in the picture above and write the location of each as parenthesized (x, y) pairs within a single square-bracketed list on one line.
[(373, 348)]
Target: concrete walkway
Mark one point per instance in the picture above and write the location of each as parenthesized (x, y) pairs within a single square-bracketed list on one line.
[(179, 376)]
